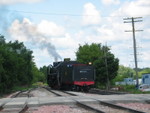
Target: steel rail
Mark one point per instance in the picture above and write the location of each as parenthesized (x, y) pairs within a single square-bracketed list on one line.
[(120, 107), (88, 107), (56, 93), (24, 109), (69, 93), (47, 88), (1, 107)]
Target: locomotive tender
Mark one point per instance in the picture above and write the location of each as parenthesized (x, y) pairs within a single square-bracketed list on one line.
[(70, 75)]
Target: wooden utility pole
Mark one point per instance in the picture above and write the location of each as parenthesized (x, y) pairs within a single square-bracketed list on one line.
[(105, 56), (133, 20)]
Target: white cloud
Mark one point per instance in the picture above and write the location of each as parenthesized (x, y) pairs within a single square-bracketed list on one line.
[(112, 31), (140, 7), (6, 2), (27, 31), (16, 30), (134, 8), (109, 2), (67, 53), (95, 30), (50, 28), (92, 15), (40, 58), (66, 45), (65, 42), (145, 56), (106, 33)]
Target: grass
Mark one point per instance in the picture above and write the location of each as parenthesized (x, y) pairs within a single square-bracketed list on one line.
[(21, 88), (131, 89)]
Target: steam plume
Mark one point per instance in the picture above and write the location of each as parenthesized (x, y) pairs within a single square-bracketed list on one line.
[(27, 31)]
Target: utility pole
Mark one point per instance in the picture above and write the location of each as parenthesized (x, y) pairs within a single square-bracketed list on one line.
[(105, 55), (133, 20)]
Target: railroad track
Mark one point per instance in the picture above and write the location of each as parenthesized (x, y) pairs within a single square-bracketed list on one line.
[(81, 101), (120, 107), (99, 106), (4, 108), (25, 93), (105, 107), (59, 92), (16, 109), (62, 93)]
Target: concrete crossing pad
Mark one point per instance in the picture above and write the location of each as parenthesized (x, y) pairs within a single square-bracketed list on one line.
[(39, 101)]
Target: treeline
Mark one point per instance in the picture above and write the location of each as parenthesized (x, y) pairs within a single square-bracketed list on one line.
[(127, 72), (105, 63), (108, 70), (16, 66)]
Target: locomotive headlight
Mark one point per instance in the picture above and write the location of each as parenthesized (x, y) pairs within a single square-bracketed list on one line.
[(90, 63)]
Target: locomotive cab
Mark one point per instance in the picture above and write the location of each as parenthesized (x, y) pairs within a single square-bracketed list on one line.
[(83, 76)]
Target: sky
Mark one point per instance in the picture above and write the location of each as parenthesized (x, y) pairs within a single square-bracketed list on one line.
[(54, 29)]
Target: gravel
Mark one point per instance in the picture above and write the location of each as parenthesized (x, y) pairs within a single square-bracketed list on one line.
[(61, 109), (137, 106), (107, 109), (41, 92)]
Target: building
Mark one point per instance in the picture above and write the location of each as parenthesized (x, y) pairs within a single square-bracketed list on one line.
[(146, 78), (126, 81)]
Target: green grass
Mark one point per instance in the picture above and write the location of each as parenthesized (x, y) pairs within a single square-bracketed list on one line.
[(21, 88), (131, 89), (14, 89)]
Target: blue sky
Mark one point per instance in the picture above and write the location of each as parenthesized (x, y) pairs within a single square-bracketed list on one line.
[(55, 28)]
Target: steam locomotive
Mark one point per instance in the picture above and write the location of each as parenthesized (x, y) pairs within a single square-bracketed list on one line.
[(70, 75)]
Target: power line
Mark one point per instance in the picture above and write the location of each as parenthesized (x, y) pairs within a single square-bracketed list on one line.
[(133, 20), (60, 14)]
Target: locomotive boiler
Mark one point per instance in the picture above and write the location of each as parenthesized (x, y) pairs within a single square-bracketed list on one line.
[(70, 75)]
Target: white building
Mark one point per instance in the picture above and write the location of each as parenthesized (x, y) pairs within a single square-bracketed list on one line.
[(126, 81), (146, 78)]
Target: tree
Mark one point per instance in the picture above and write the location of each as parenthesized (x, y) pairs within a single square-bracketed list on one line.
[(2, 40), (105, 63), (39, 76), (124, 72), (15, 65), (144, 70), (44, 71)]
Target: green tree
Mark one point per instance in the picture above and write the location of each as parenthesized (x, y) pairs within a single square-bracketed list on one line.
[(124, 72), (144, 70), (104, 61), (44, 71), (15, 65), (39, 76)]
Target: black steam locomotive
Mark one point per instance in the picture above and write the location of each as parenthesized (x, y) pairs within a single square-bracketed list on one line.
[(70, 75)]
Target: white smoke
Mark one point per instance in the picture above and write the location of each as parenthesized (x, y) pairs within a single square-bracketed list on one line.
[(28, 32)]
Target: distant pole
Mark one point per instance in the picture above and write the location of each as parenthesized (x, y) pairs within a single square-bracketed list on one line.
[(105, 55), (134, 43)]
